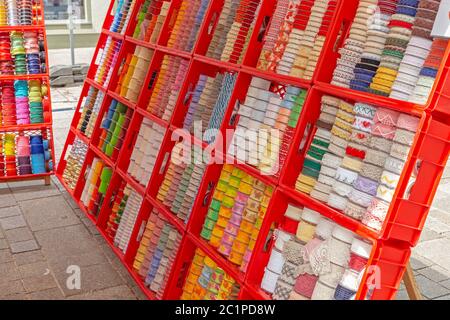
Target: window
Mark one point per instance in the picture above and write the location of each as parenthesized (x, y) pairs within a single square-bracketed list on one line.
[(57, 10)]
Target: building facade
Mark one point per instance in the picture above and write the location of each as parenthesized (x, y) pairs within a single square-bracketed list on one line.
[(88, 20)]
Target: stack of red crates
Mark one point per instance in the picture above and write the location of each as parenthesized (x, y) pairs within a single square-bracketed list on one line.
[(45, 128), (407, 215)]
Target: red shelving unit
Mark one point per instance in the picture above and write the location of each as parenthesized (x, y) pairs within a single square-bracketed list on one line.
[(407, 213), (45, 128)]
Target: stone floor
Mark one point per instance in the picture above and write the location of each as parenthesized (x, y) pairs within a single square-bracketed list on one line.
[(42, 234)]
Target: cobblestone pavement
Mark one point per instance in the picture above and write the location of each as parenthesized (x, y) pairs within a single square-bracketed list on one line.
[(38, 226)]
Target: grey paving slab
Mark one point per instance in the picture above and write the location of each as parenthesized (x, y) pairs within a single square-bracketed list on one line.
[(24, 246), (5, 256), (6, 198), (29, 190), (39, 283), (13, 222), (3, 244), (19, 234), (34, 269), (6, 212), (48, 213), (9, 272), (46, 295), (95, 277), (435, 273), (9, 288), (29, 257), (436, 251), (67, 241), (446, 283), (431, 289), (115, 293)]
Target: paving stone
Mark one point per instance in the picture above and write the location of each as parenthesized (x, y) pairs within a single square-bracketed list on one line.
[(442, 202), (12, 223), (62, 81), (48, 213), (402, 295), (11, 288), (437, 226), (34, 269), (418, 262), (435, 250), (24, 246), (2, 233), (115, 293), (446, 297), (60, 70), (65, 242), (39, 283), (435, 273), (19, 234), (446, 283), (29, 257), (93, 278), (440, 215), (8, 272), (3, 244), (428, 235), (30, 190), (82, 260), (49, 294), (6, 199), (430, 289), (5, 256), (10, 212)]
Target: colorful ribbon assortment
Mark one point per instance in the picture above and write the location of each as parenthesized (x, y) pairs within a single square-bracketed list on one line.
[(296, 36), (188, 20), (134, 73), (182, 181), (233, 30), (167, 87), (267, 110), (146, 150), (322, 261), (206, 281), (19, 12), (150, 20), (208, 104), (22, 102), (122, 15), (235, 215), (108, 60), (113, 129), (357, 157), (98, 178), (157, 252), (90, 111), (74, 163), (24, 153), (393, 55)]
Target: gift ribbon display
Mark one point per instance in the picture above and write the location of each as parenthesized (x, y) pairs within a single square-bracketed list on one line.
[(188, 21), (326, 266), (209, 102), (150, 20), (206, 281), (97, 182), (74, 163), (24, 153), (22, 102), (132, 76), (90, 111), (233, 30), (113, 129), (395, 54), (146, 150), (19, 12), (274, 114), (167, 87), (181, 183), (125, 218), (361, 140), (107, 61), (235, 216), (122, 15), (296, 36), (157, 252)]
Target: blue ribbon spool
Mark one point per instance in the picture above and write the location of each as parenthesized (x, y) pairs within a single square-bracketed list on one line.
[(38, 164)]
